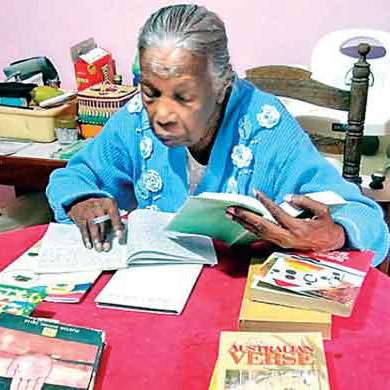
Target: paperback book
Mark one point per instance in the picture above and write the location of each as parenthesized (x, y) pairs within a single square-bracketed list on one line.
[(206, 214), (255, 360), (37, 354), (20, 301), (327, 282), (268, 317)]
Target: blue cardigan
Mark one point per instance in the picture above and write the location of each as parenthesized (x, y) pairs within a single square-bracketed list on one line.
[(259, 145)]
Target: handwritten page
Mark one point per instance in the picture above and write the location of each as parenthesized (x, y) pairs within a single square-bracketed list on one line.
[(148, 241), (152, 288), (62, 250)]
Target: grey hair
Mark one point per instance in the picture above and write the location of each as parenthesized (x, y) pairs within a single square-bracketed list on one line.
[(194, 28)]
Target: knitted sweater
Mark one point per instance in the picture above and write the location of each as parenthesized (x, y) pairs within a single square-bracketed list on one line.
[(259, 145)]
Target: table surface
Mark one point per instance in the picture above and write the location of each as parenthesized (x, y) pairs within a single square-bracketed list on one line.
[(150, 351)]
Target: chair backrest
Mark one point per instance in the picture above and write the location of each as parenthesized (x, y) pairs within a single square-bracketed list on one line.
[(297, 83)]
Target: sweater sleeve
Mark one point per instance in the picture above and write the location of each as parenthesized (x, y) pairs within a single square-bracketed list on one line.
[(305, 170), (104, 168)]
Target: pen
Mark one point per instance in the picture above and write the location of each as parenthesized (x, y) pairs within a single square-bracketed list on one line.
[(106, 217)]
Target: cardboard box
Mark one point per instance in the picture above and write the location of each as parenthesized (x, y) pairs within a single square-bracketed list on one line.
[(92, 64)]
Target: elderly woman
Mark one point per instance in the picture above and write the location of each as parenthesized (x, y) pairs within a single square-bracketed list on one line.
[(196, 127)]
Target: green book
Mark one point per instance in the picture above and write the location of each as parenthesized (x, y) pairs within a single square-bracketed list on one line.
[(205, 214), (48, 355)]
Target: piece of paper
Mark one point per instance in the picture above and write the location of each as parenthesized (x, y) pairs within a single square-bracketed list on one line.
[(153, 288), (8, 148), (63, 251)]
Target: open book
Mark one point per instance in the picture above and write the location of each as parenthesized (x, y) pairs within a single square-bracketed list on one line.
[(148, 242), (328, 282), (206, 214)]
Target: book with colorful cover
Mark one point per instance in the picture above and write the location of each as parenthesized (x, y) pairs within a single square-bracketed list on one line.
[(267, 317), (327, 282), (67, 287), (256, 360), (37, 354), (20, 301)]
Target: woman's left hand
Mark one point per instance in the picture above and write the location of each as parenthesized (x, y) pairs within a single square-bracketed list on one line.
[(319, 233)]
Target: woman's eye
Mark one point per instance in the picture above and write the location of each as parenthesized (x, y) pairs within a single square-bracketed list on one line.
[(182, 98), (149, 94)]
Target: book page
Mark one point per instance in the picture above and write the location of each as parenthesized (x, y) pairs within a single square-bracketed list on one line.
[(62, 250), (158, 288), (149, 242)]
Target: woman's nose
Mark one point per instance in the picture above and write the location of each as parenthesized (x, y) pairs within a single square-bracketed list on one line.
[(164, 113)]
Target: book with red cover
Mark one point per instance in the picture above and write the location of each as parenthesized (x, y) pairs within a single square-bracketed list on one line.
[(320, 281)]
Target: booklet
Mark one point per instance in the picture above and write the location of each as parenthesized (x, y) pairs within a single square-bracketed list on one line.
[(20, 301), (155, 288), (206, 214), (148, 242), (44, 354), (328, 282), (67, 287)]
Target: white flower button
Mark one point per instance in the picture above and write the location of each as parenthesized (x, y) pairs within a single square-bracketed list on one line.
[(268, 117), (242, 156), (146, 147), (152, 180), (135, 104), (232, 187), (141, 191)]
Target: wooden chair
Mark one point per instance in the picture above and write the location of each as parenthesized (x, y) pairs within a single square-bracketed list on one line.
[(296, 83)]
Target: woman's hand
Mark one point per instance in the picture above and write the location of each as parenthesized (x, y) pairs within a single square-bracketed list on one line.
[(96, 234), (319, 233)]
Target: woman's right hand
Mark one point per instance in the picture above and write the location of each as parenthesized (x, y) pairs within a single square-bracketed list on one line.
[(96, 234)]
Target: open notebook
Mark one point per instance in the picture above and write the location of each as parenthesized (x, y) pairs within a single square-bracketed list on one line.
[(148, 242)]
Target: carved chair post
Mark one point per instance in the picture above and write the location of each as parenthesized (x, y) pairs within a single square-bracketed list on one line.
[(356, 116)]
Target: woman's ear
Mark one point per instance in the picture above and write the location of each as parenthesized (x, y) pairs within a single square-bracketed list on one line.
[(226, 85)]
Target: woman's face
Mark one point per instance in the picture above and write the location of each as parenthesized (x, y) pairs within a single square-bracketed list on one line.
[(177, 94)]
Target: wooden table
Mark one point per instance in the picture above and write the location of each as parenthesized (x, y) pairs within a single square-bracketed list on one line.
[(27, 174)]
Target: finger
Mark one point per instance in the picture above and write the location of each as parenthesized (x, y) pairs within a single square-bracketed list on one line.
[(84, 231), (17, 382), (31, 384), (105, 234), (95, 232), (278, 213), (39, 384), (116, 221), (319, 209), (11, 370), (261, 227)]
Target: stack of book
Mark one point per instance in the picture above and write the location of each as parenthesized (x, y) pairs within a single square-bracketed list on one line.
[(294, 292), (285, 314)]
